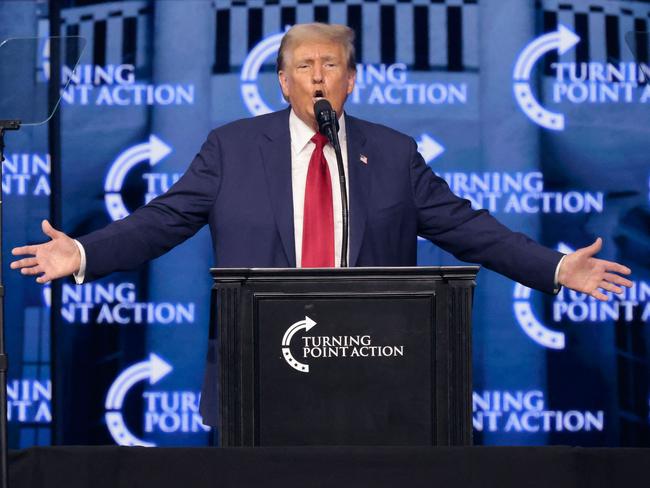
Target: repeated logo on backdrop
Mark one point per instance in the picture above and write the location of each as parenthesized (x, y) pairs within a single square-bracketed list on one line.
[(148, 153), (571, 307), (166, 412), (436, 104), (26, 174), (117, 303), (528, 412), (520, 192), (114, 85), (29, 401), (575, 83), (376, 84)]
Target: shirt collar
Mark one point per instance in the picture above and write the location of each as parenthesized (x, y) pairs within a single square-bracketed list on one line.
[(301, 133)]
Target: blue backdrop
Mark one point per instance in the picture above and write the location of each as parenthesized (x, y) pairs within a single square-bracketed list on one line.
[(536, 110)]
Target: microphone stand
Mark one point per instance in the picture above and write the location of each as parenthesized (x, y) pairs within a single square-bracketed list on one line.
[(330, 130), (344, 198), (4, 360)]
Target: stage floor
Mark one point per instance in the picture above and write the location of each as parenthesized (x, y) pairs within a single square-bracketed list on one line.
[(307, 467)]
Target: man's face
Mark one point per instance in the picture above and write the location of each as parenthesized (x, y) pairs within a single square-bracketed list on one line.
[(316, 69)]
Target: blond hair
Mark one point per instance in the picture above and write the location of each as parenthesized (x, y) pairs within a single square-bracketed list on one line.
[(317, 31)]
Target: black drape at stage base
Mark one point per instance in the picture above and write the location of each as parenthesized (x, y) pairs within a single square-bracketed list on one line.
[(484, 467)]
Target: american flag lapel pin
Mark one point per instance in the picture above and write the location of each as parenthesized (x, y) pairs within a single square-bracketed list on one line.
[(363, 158)]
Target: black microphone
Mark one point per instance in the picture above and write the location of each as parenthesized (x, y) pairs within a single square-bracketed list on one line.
[(328, 123)]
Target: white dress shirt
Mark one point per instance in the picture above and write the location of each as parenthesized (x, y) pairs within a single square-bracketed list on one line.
[(301, 151)]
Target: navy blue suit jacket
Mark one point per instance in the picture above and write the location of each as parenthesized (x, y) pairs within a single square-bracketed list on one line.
[(240, 185)]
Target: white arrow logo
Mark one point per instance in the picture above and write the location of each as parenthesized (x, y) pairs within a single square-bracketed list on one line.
[(307, 325), (562, 40), (429, 148), (531, 325), (154, 369), (152, 151), (250, 70)]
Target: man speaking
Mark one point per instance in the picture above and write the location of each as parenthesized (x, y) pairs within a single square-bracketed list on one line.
[(268, 187)]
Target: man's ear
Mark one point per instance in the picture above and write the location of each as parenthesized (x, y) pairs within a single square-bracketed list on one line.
[(352, 76), (282, 78)]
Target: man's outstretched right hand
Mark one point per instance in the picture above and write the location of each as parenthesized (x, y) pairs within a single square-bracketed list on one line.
[(51, 260)]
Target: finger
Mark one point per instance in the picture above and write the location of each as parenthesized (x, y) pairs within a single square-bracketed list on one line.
[(48, 230), (617, 268), (23, 263), (19, 251), (618, 280), (34, 270), (599, 296), (595, 247), (42, 279), (610, 287)]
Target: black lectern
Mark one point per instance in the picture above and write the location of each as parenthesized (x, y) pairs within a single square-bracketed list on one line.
[(353, 356)]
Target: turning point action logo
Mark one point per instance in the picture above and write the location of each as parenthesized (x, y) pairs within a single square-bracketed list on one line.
[(117, 303), (562, 40), (576, 83), (26, 174), (318, 347), (376, 84), (114, 85), (250, 70), (29, 401), (165, 411), (150, 153), (632, 304), (527, 411), (307, 325)]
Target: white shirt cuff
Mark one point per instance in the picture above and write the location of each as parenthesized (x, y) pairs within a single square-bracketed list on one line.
[(555, 279), (80, 275)]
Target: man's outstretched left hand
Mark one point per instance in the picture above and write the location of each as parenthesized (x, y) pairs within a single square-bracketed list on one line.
[(582, 272)]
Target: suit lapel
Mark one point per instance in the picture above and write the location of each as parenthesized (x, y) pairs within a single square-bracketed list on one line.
[(359, 176), (275, 148)]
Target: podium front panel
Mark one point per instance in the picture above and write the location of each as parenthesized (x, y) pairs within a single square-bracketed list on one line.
[(361, 374), (357, 356)]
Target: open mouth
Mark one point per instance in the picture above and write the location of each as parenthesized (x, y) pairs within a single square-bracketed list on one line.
[(318, 95)]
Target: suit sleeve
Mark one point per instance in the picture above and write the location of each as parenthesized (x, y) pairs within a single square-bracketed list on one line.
[(474, 235), (160, 225)]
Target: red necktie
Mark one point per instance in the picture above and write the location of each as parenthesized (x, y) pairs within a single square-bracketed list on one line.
[(318, 219)]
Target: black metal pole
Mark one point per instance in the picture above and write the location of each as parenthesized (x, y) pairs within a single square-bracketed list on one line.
[(5, 125), (344, 205), (54, 149), (333, 136)]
